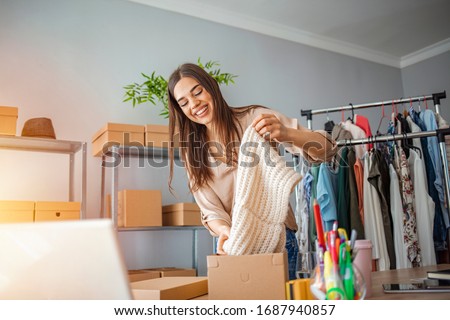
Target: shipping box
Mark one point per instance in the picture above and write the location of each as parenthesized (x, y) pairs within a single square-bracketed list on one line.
[(157, 135), (16, 211), (56, 211), (117, 134), (8, 120), (170, 288), (174, 272), (181, 214), (247, 277), (139, 208), (152, 273), (140, 275)]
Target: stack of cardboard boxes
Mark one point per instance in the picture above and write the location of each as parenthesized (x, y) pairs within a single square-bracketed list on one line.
[(119, 134), (254, 277), (30, 211)]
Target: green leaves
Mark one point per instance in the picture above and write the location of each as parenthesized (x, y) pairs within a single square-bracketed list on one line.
[(154, 88)]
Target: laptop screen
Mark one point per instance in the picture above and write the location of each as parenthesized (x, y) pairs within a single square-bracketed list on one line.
[(79, 259)]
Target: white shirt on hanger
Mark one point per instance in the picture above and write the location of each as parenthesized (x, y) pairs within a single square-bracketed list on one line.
[(424, 206)]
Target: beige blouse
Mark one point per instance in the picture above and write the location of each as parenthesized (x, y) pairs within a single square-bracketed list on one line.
[(216, 199)]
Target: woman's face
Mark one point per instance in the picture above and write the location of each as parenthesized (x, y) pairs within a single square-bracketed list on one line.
[(196, 103)]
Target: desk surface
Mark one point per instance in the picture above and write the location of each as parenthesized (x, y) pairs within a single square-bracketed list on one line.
[(405, 276)]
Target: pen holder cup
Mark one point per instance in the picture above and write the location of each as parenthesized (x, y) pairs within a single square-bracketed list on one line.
[(337, 286)]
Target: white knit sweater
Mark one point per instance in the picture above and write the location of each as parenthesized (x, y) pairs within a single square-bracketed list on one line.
[(261, 201)]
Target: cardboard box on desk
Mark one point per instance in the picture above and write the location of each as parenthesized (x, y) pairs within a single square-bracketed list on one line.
[(247, 277), (170, 288), (56, 211), (8, 120), (181, 214), (152, 273), (174, 272), (16, 211), (117, 134), (139, 208), (141, 275)]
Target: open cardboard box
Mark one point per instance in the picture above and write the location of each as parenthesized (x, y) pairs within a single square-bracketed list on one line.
[(247, 277)]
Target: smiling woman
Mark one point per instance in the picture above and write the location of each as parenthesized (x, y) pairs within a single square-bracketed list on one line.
[(210, 136)]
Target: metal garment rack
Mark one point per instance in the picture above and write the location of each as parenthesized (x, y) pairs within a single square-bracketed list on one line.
[(436, 97), (440, 133)]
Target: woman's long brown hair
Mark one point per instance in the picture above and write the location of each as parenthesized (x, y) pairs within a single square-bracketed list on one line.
[(192, 136)]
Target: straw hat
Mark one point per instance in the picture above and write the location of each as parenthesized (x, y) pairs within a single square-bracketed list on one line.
[(39, 128)]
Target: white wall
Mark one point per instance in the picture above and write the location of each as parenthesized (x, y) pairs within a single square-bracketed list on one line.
[(68, 60)]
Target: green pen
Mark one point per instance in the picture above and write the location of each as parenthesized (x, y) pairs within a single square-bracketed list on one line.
[(348, 279)]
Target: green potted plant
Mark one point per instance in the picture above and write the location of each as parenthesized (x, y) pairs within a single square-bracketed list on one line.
[(154, 88)]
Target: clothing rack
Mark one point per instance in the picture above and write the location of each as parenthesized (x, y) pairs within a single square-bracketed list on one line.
[(436, 97), (440, 133)]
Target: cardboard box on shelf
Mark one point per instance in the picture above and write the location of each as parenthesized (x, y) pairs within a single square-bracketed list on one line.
[(170, 288), (181, 214), (117, 134), (139, 208), (8, 120), (247, 277), (56, 211), (16, 211), (156, 135)]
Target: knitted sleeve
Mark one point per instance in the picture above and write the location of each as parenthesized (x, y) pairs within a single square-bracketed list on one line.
[(263, 185)]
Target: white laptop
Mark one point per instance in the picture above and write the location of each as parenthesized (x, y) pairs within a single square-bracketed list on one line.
[(69, 260)]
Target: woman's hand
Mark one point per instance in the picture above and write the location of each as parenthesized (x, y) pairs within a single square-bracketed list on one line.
[(270, 127), (224, 234)]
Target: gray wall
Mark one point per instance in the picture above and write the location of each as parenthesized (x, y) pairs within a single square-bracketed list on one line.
[(68, 60), (429, 76)]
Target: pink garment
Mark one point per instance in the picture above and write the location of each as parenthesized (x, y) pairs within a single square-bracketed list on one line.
[(364, 124)]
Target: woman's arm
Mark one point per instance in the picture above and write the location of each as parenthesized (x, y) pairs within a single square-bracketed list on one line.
[(317, 145)]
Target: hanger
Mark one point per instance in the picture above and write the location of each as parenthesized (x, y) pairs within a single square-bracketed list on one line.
[(329, 125), (405, 111), (383, 116), (353, 114), (407, 145)]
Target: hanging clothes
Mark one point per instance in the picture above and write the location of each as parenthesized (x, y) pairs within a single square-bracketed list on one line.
[(401, 256), (424, 208), (409, 215), (343, 192), (439, 227), (302, 208), (326, 195), (358, 169), (314, 171), (373, 224), (357, 133), (356, 222), (364, 124), (379, 179)]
